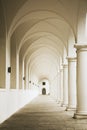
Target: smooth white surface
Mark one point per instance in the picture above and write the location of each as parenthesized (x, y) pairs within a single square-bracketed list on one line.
[(12, 100), (65, 85), (81, 80), (71, 83)]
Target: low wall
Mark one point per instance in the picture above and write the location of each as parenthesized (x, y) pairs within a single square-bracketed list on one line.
[(12, 100)]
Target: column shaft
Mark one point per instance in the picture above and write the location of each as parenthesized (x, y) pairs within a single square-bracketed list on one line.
[(81, 111), (61, 86), (65, 85), (71, 84), (59, 89)]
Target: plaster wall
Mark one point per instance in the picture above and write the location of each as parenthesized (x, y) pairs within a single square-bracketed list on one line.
[(2, 63), (46, 86), (12, 100)]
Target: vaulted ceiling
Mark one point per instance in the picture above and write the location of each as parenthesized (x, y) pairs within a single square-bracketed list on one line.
[(41, 30)]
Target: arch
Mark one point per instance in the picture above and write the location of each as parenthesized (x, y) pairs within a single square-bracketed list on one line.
[(43, 91), (22, 19)]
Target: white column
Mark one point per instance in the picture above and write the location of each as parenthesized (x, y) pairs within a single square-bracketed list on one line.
[(81, 111), (71, 83), (23, 74), (59, 89), (61, 86), (65, 85), (27, 82), (13, 66), (17, 71)]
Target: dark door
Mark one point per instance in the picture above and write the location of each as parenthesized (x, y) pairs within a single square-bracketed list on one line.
[(43, 91)]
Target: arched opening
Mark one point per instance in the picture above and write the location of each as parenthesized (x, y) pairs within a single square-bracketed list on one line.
[(44, 87), (43, 91)]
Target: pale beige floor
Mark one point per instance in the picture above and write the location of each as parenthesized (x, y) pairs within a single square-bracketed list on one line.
[(43, 113)]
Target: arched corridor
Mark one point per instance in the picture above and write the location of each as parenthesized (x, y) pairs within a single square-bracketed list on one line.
[(43, 50)]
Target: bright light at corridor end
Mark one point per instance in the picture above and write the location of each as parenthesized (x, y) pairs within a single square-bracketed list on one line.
[(44, 88)]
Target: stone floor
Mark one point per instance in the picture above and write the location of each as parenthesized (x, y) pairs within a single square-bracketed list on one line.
[(43, 113)]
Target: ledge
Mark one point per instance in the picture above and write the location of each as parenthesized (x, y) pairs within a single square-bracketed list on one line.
[(81, 47), (73, 59)]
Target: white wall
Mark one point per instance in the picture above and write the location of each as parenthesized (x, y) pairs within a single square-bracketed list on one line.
[(41, 86), (13, 100)]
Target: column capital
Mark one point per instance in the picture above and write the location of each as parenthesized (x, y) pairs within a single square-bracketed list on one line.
[(81, 47), (61, 69), (65, 65), (71, 59)]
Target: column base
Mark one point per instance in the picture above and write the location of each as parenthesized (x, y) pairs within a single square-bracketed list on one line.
[(70, 109), (59, 104), (80, 116), (64, 105)]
